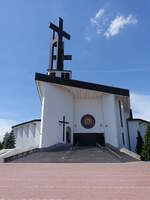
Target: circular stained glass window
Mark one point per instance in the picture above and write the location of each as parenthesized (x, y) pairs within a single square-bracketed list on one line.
[(88, 121)]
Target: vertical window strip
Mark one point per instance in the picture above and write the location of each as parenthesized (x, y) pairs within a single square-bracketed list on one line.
[(123, 140), (121, 121)]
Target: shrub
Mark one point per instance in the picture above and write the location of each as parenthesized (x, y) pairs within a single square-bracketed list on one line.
[(139, 143), (146, 146)]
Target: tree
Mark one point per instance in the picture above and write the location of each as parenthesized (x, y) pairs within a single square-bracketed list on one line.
[(1, 145), (146, 146), (139, 143), (9, 141)]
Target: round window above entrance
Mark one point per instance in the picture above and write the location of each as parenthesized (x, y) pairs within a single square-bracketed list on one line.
[(88, 121)]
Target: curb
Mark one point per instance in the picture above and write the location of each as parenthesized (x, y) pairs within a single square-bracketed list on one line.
[(130, 153)]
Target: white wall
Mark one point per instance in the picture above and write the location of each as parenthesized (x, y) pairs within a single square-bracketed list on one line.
[(134, 126), (92, 106), (27, 135), (37, 134), (57, 102), (110, 120)]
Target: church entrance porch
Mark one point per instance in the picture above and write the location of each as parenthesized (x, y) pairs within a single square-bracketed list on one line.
[(89, 139)]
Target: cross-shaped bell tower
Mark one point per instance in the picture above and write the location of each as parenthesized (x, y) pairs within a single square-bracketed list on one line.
[(57, 45)]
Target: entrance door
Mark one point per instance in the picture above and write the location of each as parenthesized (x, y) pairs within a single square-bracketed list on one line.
[(89, 139), (68, 135)]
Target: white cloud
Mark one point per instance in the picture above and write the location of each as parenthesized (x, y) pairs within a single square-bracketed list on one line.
[(104, 24), (99, 20), (119, 23), (97, 17), (5, 125), (140, 105)]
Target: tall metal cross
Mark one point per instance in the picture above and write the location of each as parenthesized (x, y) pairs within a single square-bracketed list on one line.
[(64, 123), (59, 44)]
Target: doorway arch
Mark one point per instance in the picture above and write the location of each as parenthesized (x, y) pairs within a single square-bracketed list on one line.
[(68, 135)]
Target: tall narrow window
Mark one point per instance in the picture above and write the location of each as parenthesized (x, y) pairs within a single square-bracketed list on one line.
[(121, 121), (123, 140)]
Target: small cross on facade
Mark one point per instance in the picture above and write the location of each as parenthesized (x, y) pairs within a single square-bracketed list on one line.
[(59, 44)]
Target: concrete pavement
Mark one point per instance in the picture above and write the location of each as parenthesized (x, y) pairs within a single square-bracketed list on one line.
[(76, 181)]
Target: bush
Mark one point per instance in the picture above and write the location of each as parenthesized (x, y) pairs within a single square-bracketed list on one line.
[(9, 141), (146, 146), (139, 143)]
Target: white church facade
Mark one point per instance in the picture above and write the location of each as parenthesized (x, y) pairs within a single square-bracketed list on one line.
[(82, 113), (76, 112)]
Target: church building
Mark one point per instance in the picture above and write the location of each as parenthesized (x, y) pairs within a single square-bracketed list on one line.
[(76, 112), (82, 113)]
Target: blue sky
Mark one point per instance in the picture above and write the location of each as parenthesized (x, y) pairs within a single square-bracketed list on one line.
[(109, 43)]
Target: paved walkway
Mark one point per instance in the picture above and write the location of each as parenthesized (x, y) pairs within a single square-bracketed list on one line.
[(90, 181), (79, 155)]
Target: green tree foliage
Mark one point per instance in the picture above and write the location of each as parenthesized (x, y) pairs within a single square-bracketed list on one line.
[(146, 146), (1, 145), (139, 143), (9, 141)]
